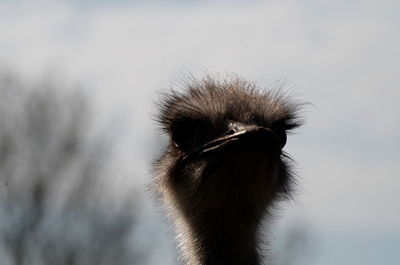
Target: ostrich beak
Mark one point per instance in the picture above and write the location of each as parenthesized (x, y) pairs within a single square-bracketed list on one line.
[(249, 138)]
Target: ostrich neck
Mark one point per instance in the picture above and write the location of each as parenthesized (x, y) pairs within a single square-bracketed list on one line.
[(219, 242), (223, 212), (225, 233)]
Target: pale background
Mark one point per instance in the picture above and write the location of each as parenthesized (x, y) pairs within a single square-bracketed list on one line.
[(342, 56)]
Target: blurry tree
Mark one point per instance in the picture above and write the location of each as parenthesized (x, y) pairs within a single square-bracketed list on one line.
[(54, 207)]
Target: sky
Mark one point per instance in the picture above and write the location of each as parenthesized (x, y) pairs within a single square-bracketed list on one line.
[(342, 56)]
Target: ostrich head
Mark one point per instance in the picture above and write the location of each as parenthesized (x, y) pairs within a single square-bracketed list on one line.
[(224, 166)]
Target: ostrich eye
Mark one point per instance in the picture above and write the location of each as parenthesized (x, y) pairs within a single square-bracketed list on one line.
[(280, 128), (282, 137), (189, 134)]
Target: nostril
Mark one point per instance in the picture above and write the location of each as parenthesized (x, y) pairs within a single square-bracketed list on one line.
[(233, 127), (231, 131)]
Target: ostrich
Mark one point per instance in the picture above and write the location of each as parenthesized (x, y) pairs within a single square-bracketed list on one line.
[(224, 167)]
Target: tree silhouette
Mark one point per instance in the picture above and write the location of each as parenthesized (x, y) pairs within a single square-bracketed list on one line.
[(54, 207)]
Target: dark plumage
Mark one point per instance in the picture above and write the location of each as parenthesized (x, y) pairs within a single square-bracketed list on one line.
[(224, 167)]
